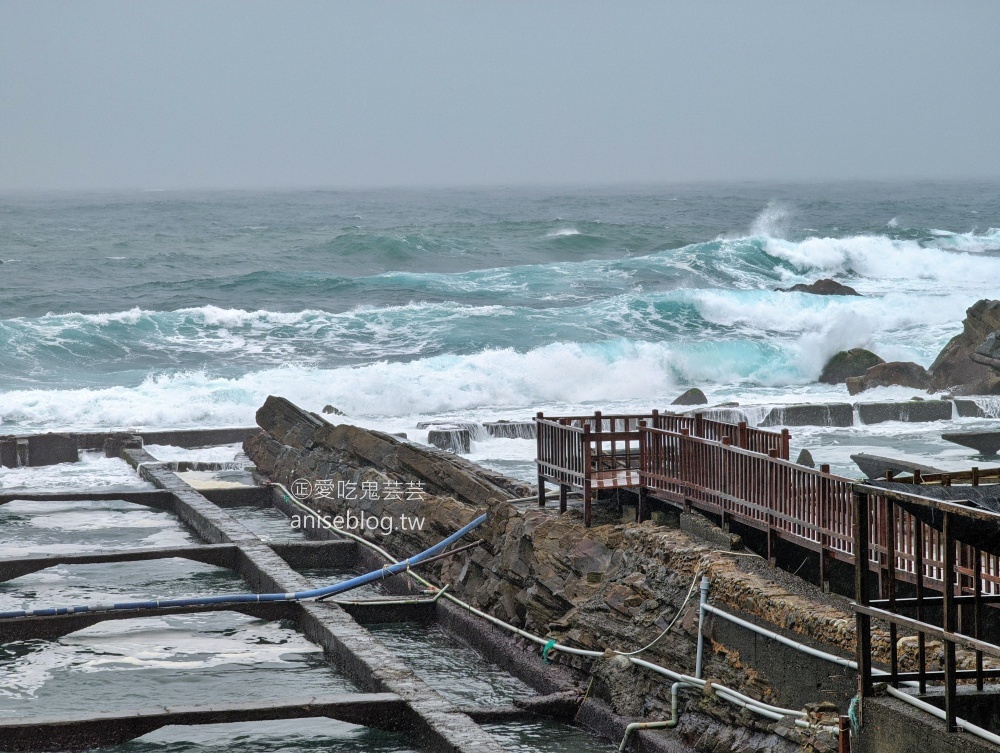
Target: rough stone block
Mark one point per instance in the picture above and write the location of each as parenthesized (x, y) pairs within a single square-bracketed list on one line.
[(454, 440), (511, 429), (50, 449), (8, 452), (823, 414), (912, 411)]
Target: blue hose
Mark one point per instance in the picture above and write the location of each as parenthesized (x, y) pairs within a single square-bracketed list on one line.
[(337, 588)]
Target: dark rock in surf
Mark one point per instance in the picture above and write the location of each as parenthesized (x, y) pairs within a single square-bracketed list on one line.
[(805, 458), (891, 374), (329, 409), (826, 286), (954, 365), (876, 466), (693, 396), (848, 363)]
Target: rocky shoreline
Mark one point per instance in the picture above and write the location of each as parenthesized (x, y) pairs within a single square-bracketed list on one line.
[(614, 585)]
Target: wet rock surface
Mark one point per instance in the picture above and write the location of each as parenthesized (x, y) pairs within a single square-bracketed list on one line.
[(954, 365), (848, 363), (891, 374), (693, 396), (825, 286)]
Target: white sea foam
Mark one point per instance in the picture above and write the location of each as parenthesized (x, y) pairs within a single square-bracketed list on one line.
[(563, 233), (877, 257), (155, 643)]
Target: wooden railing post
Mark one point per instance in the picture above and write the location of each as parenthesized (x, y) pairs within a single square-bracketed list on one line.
[(948, 622), (824, 523), (656, 419), (699, 424), (785, 444), (863, 623), (642, 512), (726, 471), (744, 436), (587, 476), (772, 495), (539, 453)]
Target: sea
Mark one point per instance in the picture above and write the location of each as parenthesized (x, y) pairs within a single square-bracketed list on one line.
[(166, 309), (170, 309)]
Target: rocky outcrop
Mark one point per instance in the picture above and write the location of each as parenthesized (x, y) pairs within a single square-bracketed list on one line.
[(805, 458), (617, 585), (826, 286), (442, 473), (983, 442), (848, 363), (954, 365), (988, 354), (891, 374), (693, 396)]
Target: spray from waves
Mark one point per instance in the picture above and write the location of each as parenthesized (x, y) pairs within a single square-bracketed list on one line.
[(773, 222), (564, 233), (877, 257), (495, 379), (819, 326)]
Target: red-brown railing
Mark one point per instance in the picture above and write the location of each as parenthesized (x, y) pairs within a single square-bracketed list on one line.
[(739, 435), (813, 509), (601, 451)]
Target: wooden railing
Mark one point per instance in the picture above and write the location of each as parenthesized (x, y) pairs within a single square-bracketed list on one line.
[(810, 508), (768, 493), (936, 546), (739, 435), (601, 451)]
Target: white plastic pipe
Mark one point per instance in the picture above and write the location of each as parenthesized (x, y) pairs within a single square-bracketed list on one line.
[(771, 712)]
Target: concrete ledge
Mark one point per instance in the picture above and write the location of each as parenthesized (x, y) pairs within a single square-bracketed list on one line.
[(161, 500), (220, 555), (56, 626), (301, 555), (893, 726), (381, 710)]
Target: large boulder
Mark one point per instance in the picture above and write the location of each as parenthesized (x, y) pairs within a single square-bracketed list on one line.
[(693, 396), (825, 286), (954, 365), (848, 363), (988, 353), (891, 374)]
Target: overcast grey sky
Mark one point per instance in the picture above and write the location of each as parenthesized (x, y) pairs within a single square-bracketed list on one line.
[(341, 94)]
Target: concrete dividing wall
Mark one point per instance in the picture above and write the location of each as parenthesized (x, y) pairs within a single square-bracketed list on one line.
[(893, 726)]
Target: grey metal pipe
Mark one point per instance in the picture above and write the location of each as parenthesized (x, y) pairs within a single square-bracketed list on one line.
[(701, 626)]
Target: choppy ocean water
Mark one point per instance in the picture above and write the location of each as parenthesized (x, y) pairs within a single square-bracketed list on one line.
[(163, 309), (159, 309)]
